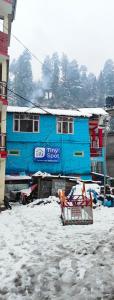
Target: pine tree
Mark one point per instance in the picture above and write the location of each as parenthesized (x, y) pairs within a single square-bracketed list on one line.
[(47, 73), (55, 73), (108, 76), (74, 82), (22, 78), (100, 90), (92, 90), (84, 90)]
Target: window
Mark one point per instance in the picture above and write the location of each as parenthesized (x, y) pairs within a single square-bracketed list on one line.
[(65, 125), (14, 152), (79, 153), (24, 122)]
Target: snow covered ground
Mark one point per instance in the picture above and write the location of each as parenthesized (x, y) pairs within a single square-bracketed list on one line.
[(42, 260)]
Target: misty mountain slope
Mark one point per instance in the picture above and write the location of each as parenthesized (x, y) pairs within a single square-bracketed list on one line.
[(63, 82)]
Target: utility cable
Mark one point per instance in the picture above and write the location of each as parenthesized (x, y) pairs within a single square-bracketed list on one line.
[(26, 48), (29, 101)]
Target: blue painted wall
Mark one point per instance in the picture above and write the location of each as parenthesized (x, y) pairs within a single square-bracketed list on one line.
[(68, 143)]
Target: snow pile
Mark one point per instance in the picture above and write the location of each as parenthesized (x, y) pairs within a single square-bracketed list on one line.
[(42, 260), (41, 174)]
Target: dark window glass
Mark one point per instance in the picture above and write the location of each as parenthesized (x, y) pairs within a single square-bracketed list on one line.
[(64, 119), (59, 127), (36, 126), (29, 116), (16, 116), (59, 118), (26, 125), (70, 127), (22, 116), (65, 127), (36, 117), (16, 125)]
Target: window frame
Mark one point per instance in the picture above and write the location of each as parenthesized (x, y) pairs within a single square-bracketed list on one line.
[(19, 120), (78, 153), (61, 122), (13, 154)]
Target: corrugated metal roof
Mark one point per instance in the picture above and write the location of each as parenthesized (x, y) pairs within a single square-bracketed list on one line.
[(95, 111), (82, 112)]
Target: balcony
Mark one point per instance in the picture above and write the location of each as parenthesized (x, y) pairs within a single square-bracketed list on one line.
[(3, 92), (3, 44), (5, 7), (3, 89), (96, 152), (3, 153)]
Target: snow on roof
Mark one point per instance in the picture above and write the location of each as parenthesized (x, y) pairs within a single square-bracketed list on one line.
[(81, 112), (41, 174), (94, 111), (57, 112), (17, 177)]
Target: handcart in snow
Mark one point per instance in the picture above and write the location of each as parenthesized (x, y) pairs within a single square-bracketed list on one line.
[(77, 210), (27, 195)]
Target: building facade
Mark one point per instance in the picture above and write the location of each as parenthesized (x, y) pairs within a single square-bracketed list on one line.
[(7, 10), (97, 147), (55, 141), (110, 137)]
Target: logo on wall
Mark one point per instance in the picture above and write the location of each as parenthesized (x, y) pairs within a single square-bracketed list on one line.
[(39, 152), (48, 154)]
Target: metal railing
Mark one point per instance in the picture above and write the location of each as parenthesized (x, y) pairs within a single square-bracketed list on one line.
[(3, 89), (2, 142), (96, 152)]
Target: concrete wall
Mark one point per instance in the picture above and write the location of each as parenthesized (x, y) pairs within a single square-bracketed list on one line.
[(68, 144)]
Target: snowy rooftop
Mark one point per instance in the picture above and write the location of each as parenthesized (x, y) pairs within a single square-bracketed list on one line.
[(43, 175), (81, 112), (20, 177), (94, 111)]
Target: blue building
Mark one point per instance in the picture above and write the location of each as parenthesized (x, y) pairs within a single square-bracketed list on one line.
[(54, 141)]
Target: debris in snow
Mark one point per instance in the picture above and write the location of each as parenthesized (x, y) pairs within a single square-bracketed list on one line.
[(43, 201)]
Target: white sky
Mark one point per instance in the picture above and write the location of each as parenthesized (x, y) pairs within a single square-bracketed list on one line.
[(82, 29)]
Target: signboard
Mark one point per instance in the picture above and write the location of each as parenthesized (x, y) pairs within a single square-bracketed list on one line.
[(48, 154)]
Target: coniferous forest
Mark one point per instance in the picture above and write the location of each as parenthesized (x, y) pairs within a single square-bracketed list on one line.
[(69, 84)]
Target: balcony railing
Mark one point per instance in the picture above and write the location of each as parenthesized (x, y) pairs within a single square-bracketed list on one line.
[(3, 89), (2, 142), (3, 43), (96, 152)]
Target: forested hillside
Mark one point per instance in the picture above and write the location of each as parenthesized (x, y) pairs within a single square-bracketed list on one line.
[(70, 84)]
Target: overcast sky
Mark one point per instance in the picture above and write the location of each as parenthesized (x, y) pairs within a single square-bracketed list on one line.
[(82, 29)]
